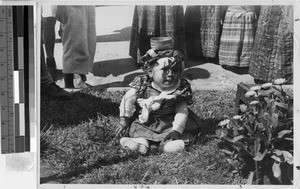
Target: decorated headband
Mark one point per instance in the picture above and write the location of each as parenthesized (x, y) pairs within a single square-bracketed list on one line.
[(151, 57)]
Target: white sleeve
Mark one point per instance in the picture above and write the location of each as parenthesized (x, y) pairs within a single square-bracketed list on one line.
[(127, 106), (181, 117)]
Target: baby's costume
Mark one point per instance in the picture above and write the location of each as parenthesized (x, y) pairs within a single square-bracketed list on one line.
[(157, 115)]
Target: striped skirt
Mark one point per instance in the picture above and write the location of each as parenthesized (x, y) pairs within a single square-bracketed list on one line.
[(203, 30), (156, 21), (237, 39), (272, 56)]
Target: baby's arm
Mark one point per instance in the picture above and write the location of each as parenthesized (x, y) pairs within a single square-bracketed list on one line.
[(179, 122), (127, 108), (181, 117)]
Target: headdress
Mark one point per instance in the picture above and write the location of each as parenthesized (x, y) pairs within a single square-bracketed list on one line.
[(151, 57)]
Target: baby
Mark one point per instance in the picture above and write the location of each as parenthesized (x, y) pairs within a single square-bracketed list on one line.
[(156, 106)]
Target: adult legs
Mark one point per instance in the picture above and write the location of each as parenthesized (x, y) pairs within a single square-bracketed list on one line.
[(48, 38), (48, 86)]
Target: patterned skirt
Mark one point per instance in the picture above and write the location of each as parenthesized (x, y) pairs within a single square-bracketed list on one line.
[(203, 30), (272, 56), (237, 39), (156, 21), (157, 128)]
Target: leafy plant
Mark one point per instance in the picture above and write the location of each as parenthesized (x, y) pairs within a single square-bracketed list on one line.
[(259, 141)]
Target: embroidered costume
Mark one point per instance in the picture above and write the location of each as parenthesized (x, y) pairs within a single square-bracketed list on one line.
[(163, 119)]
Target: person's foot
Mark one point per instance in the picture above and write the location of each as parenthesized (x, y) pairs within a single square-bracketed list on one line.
[(51, 65), (54, 91), (79, 82)]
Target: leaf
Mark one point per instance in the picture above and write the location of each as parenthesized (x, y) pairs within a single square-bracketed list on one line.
[(233, 163), (277, 152), (248, 128), (260, 156), (226, 151), (260, 126), (223, 133), (257, 145), (237, 138), (261, 137), (276, 158), (241, 147), (271, 106), (265, 93), (282, 105), (250, 178), (276, 169), (285, 156), (267, 129), (288, 123), (282, 133), (288, 157)]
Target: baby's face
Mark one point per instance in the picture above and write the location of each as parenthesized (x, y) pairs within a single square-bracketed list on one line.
[(164, 74)]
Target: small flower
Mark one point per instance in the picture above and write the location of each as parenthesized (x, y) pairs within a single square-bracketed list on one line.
[(224, 122), (250, 93), (267, 85), (279, 81), (255, 88), (243, 107), (237, 117), (255, 102)]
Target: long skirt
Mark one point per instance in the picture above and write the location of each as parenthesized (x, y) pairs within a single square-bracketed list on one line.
[(272, 56), (237, 39), (203, 30), (156, 21), (79, 39)]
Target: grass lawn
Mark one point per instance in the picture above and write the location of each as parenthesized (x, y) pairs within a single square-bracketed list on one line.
[(77, 146)]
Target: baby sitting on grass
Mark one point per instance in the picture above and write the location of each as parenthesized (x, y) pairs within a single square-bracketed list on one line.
[(155, 108)]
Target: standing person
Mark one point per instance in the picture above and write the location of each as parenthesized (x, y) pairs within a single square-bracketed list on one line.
[(272, 56), (48, 86), (156, 21), (203, 27), (79, 43), (237, 37), (48, 36)]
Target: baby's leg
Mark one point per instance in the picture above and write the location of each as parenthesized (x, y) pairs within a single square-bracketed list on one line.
[(135, 144), (172, 146)]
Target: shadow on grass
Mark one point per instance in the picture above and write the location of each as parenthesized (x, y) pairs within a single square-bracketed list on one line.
[(205, 133), (81, 107), (67, 177)]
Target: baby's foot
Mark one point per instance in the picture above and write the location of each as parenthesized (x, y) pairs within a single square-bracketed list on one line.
[(172, 146), (135, 144)]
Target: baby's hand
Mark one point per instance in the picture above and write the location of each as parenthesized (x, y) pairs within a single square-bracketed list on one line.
[(173, 135), (145, 102), (124, 122), (119, 129)]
